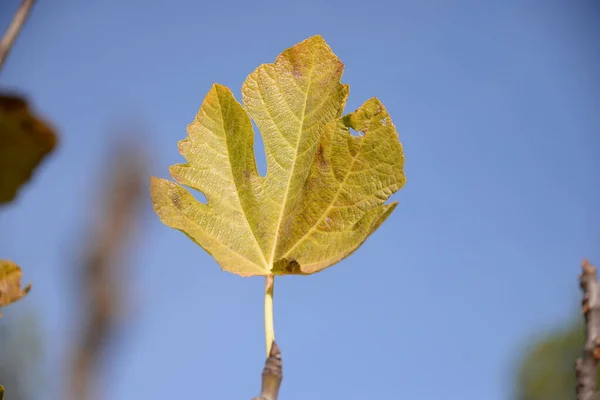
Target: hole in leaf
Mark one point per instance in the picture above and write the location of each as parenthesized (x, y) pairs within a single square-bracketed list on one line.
[(259, 151), (355, 133)]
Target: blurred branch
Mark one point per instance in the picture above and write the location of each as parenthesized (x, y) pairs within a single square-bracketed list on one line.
[(587, 366), (14, 28), (100, 281), (272, 375)]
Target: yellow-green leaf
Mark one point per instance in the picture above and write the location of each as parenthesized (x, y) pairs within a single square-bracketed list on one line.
[(24, 142), (325, 189), (10, 283)]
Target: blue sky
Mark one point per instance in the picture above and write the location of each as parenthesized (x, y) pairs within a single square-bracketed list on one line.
[(497, 106)]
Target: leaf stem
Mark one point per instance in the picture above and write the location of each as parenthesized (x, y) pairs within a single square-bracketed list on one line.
[(269, 326)]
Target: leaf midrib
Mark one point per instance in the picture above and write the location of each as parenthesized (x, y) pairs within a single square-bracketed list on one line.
[(287, 190)]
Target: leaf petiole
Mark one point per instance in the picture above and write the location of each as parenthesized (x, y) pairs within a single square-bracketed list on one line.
[(269, 326)]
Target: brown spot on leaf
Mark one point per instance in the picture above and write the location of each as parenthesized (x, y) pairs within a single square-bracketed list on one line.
[(287, 266), (321, 157), (296, 71), (176, 199)]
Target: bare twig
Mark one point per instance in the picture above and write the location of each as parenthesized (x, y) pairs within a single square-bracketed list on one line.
[(272, 375), (587, 366), (14, 28), (100, 289)]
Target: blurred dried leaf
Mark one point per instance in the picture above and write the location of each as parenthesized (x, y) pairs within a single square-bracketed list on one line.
[(24, 142), (10, 283)]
